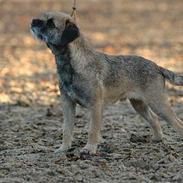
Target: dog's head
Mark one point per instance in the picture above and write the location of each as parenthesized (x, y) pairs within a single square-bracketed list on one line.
[(55, 28)]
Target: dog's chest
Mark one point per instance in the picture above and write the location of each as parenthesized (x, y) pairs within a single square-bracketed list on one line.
[(72, 84)]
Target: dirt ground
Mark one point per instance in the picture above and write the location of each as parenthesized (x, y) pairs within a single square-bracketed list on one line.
[(31, 113)]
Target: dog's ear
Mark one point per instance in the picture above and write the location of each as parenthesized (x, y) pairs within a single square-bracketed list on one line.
[(70, 33)]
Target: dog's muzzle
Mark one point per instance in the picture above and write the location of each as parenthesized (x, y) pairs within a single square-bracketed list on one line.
[(37, 26)]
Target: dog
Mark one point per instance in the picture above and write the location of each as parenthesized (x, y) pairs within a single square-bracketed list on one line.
[(93, 80)]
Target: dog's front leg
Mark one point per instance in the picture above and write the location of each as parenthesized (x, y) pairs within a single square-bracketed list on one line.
[(95, 127), (69, 109)]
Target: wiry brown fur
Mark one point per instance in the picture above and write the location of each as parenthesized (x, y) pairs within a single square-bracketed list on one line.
[(98, 79)]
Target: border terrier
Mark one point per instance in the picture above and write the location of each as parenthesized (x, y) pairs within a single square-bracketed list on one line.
[(93, 79)]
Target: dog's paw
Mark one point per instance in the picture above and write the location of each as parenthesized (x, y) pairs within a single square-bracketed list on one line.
[(61, 151), (157, 139), (89, 149)]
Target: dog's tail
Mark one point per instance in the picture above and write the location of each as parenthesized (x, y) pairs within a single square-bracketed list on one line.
[(172, 77)]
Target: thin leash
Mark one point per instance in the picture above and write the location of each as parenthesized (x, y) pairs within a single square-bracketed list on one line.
[(74, 13)]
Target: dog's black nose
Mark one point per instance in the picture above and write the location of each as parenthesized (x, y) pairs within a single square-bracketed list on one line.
[(37, 23)]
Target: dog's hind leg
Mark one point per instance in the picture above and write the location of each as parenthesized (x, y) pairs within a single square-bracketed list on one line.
[(162, 108), (147, 114)]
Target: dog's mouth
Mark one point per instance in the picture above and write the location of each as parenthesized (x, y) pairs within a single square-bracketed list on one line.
[(41, 37)]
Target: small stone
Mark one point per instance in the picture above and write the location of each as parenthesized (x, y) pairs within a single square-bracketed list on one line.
[(84, 165), (116, 156), (79, 177), (51, 173), (178, 177)]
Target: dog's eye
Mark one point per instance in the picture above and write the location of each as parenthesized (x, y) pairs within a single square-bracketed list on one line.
[(50, 23)]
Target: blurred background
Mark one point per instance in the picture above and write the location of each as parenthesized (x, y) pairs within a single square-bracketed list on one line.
[(152, 29)]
